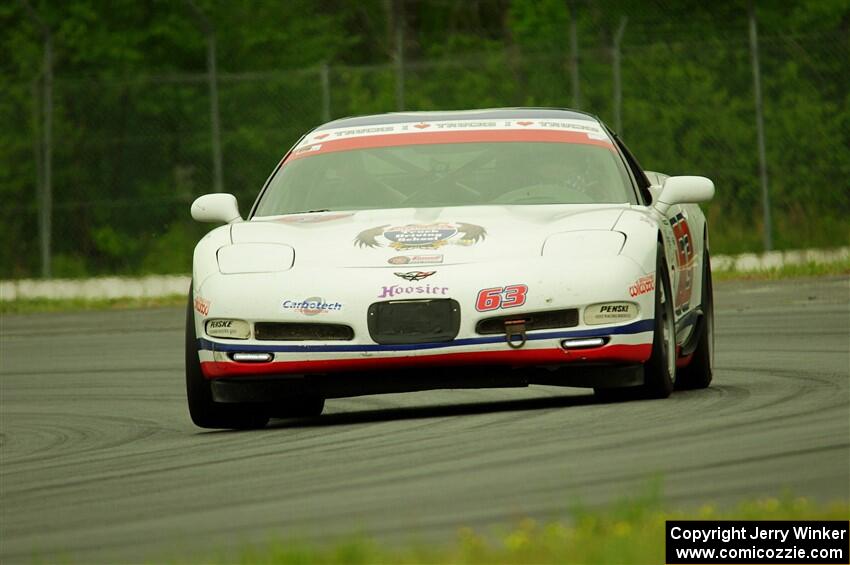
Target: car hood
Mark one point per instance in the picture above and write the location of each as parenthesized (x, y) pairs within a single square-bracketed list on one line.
[(424, 236)]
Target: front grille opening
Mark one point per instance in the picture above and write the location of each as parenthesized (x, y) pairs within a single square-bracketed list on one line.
[(287, 331), (400, 322), (566, 318)]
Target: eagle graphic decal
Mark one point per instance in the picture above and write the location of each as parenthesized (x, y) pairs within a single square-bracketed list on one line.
[(420, 236)]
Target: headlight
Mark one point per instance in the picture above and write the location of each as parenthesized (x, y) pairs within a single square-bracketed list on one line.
[(228, 329), (610, 312), (255, 258)]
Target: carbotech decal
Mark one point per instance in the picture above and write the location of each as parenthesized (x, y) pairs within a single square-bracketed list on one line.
[(312, 306), (415, 275), (398, 290), (421, 236), (642, 285), (501, 297), (202, 306), (415, 259)]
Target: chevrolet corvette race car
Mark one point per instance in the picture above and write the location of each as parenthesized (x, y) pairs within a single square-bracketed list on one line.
[(424, 250)]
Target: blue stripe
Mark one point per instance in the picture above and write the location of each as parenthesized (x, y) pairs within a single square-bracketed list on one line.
[(633, 328)]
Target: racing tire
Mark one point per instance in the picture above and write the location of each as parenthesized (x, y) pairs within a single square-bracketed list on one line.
[(698, 373), (660, 369), (205, 412)]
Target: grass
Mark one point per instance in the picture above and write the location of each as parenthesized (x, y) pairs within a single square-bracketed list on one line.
[(805, 270), (631, 531), (28, 306)]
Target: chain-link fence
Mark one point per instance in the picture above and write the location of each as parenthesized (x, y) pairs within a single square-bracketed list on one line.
[(127, 156)]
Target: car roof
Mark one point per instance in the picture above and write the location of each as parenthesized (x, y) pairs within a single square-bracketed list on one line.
[(485, 114)]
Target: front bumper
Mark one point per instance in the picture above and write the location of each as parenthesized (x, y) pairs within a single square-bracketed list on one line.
[(582, 284), (626, 344)]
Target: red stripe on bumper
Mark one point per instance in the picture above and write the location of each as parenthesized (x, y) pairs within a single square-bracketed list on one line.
[(614, 354)]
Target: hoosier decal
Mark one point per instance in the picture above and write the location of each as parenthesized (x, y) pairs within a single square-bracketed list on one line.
[(420, 236), (397, 290)]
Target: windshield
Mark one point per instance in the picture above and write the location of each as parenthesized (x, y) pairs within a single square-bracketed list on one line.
[(417, 170)]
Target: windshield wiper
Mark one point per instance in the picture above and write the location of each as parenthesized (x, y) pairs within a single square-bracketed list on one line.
[(312, 211)]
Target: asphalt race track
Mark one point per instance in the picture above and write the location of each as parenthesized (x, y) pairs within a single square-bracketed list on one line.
[(99, 461)]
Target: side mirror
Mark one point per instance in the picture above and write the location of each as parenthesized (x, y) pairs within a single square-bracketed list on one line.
[(218, 208), (655, 192), (684, 190)]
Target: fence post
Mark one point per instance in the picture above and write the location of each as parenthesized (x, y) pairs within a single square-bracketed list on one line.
[(47, 194), (618, 86), (45, 177), (212, 77), (324, 76), (212, 73), (398, 23), (765, 194), (574, 57), (38, 153)]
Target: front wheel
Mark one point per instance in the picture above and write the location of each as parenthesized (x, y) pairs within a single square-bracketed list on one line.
[(660, 369), (699, 371), (205, 412)]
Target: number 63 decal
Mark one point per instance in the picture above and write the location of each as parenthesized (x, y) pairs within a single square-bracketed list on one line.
[(501, 297)]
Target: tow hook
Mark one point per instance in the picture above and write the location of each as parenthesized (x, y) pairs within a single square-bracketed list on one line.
[(515, 328)]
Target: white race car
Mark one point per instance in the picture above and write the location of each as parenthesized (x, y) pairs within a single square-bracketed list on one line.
[(468, 249)]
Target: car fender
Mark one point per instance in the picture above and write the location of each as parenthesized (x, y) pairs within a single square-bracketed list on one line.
[(641, 229), (204, 261)]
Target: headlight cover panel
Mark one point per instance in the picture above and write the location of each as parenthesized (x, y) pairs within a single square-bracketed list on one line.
[(585, 244), (243, 258)]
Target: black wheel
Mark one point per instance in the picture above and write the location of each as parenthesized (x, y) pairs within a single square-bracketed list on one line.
[(204, 411), (700, 370), (660, 370)]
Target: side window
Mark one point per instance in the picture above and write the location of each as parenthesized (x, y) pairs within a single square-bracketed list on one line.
[(637, 171)]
